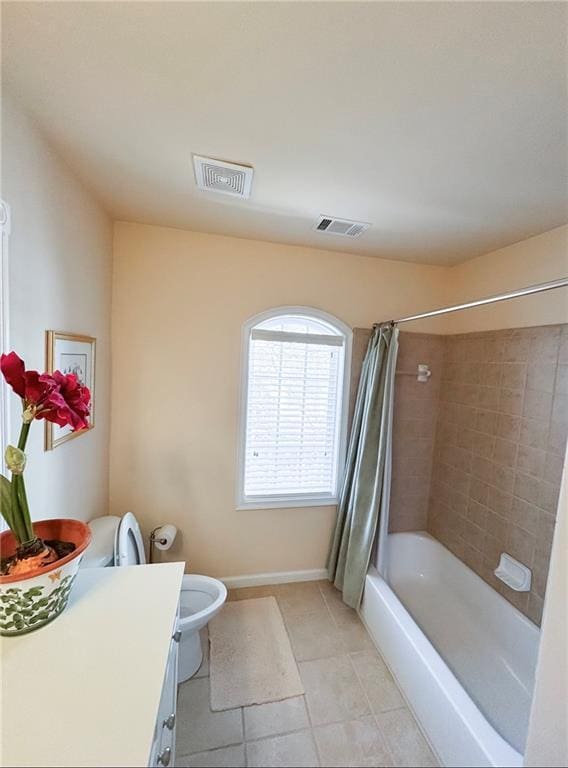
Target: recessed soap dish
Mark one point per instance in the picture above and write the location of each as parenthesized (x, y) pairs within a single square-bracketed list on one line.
[(513, 574)]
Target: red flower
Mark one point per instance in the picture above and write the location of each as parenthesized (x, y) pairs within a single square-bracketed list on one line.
[(54, 397), (77, 399), (34, 388), (14, 371)]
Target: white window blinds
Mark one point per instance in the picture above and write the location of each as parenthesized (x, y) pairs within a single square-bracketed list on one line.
[(294, 396)]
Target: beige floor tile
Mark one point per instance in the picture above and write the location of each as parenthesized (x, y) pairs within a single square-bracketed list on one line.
[(203, 670), (227, 757), (404, 739), (334, 598), (199, 729), (299, 597), (334, 601), (377, 681), (295, 750), (333, 692), (328, 590), (314, 635), (324, 584), (354, 635), (342, 613), (275, 718), (353, 744)]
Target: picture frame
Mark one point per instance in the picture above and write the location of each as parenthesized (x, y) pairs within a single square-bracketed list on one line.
[(70, 353)]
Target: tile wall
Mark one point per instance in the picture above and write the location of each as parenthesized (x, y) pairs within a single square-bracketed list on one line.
[(414, 429), (500, 441), (414, 424)]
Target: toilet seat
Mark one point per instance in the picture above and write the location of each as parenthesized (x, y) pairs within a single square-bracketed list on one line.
[(200, 599), (201, 596), (128, 543)]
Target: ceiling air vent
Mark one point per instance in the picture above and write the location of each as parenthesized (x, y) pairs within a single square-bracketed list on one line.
[(333, 226), (218, 176)]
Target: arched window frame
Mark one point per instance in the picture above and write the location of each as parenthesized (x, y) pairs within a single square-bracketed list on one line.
[(297, 499)]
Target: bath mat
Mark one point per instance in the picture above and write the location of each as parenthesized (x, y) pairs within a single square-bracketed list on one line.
[(251, 660)]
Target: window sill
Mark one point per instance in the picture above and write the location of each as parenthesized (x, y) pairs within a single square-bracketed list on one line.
[(329, 501)]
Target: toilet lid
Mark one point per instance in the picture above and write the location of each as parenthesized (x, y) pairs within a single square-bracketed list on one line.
[(129, 545)]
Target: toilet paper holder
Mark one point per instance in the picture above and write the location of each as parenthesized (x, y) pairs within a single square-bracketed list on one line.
[(155, 538)]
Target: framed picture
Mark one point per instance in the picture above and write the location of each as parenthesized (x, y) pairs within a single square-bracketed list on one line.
[(70, 353)]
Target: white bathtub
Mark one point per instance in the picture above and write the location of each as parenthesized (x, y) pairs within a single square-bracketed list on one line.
[(463, 656)]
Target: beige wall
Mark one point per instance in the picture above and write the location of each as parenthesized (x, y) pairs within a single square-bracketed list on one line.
[(180, 300), (536, 260), (60, 278)]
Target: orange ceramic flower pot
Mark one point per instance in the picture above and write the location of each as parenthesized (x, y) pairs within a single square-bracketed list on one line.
[(28, 602)]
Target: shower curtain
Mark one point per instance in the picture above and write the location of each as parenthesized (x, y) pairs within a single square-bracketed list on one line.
[(365, 495)]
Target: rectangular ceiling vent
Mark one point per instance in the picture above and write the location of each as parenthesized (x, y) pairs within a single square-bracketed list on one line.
[(218, 176), (333, 226)]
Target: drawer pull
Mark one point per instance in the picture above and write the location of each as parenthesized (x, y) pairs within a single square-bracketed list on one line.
[(165, 757), (176, 637), (169, 722)]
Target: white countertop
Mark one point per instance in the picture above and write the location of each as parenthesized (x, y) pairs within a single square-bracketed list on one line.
[(85, 689)]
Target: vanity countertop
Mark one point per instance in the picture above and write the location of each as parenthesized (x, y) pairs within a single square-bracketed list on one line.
[(84, 690)]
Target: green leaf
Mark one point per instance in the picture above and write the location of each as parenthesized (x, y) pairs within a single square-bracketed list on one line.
[(6, 501)]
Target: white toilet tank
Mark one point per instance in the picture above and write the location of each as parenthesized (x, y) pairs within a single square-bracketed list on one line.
[(100, 552)]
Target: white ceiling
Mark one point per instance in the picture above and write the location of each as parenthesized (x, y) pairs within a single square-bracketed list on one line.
[(442, 124)]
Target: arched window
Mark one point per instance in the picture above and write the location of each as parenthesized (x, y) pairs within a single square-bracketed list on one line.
[(293, 419)]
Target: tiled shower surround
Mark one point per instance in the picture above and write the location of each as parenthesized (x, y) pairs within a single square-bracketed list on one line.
[(478, 450), (500, 441), (416, 408)]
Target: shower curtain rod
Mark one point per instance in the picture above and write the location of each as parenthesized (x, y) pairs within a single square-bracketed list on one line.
[(561, 283)]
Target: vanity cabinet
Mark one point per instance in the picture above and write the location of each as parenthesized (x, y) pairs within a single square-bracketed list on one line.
[(102, 677), (163, 747)]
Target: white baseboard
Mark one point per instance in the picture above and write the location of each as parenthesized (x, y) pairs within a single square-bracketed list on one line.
[(284, 577)]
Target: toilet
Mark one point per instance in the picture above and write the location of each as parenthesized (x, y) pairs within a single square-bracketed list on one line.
[(117, 541)]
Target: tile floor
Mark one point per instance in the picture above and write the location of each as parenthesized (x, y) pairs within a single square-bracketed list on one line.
[(352, 713)]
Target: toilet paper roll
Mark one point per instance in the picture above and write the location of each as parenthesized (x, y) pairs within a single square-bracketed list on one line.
[(164, 536)]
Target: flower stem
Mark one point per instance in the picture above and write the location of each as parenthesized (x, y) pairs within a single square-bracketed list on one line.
[(24, 436), (21, 513), (17, 525), (23, 502)]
